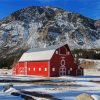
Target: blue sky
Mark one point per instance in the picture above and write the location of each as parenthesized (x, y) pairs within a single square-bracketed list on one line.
[(89, 8)]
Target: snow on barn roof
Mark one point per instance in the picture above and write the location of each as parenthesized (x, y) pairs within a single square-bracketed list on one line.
[(53, 47), (39, 54)]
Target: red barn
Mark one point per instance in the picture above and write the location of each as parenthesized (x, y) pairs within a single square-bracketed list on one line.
[(53, 61)]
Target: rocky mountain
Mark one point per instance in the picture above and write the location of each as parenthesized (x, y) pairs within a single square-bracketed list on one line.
[(37, 26)]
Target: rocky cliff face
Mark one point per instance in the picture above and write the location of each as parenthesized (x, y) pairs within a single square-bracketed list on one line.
[(42, 26)]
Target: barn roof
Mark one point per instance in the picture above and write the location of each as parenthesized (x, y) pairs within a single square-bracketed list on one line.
[(53, 47), (39, 54)]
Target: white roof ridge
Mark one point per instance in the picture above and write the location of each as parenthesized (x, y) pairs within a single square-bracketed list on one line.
[(53, 47)]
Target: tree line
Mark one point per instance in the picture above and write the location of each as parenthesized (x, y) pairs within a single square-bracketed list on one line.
[(87, 54)]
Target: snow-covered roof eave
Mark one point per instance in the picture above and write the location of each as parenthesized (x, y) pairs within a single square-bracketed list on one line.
[(37, 56)]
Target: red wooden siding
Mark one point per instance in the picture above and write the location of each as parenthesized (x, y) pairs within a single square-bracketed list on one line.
[(37, 68), (56, 61), (19, 68), (62, 51)]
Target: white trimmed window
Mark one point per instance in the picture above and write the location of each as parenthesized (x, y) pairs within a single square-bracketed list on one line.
[(56, 52), (78, 67), (45, 69), (39, 69), (71, 69), (33, 69), (53, 69), (68, 53), (29, 68), (21, 71)]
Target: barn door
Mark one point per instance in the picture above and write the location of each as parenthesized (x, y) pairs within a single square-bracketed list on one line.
[(62, 72)]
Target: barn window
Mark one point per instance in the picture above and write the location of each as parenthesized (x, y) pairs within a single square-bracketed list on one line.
[(71, 69), (63, 62), (21, 71), (34, 69), (45, 69), (68, 53), (39, 69), (53, 69), (29, 69), (78, 67), (56, 52)]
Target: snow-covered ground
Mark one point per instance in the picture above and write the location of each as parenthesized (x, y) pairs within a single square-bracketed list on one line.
[(5, 72), (92, 72), (64, 88)]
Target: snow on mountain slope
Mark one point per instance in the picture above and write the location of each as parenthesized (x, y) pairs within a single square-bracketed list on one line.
[(42, 26)]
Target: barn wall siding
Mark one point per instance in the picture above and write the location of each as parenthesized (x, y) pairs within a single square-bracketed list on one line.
[(37, 68), (20, 68), (55, 62)]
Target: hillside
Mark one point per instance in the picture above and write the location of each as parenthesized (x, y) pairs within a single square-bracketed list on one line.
[(37, 26)]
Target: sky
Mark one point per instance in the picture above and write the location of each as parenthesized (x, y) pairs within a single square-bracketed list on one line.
[(88, 8)]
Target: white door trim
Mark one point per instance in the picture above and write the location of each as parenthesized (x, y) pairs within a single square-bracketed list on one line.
[(62, 71)]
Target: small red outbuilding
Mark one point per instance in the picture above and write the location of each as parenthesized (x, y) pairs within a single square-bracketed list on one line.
[(53, 61)]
